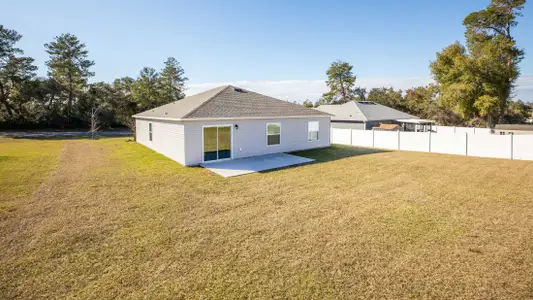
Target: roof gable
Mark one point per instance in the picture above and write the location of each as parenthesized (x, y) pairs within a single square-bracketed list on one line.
[(229, 102)]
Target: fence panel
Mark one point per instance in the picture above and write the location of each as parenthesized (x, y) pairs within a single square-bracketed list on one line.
[(414, 141), (498, 146), (448, 143), (469, 130), (386, 139), (340, 136), (445, 129), (482, 145), (523, 147), (483, 131), (362, 138)]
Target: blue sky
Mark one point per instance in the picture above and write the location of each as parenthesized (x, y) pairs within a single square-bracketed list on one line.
[(281, 48)]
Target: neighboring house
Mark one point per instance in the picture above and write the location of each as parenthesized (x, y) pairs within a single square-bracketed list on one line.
[(387, 127), (367, 115), (513, 129), (229, 122)]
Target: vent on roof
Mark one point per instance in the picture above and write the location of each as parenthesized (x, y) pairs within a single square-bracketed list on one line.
[(367, 102), (238, 90)]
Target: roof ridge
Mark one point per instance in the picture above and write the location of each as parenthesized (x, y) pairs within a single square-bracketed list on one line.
[(206, 101)]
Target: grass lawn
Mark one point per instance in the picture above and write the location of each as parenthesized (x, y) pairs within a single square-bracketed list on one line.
[(112, 219)]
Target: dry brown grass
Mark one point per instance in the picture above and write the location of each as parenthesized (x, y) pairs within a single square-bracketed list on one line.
[(115, 219)]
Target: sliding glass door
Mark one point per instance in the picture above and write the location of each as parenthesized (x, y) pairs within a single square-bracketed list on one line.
[(217, 143)]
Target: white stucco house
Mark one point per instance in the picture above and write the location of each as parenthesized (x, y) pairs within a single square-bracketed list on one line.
[(228, 123)]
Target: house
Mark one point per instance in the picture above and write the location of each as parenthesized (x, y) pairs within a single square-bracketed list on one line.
[(367, 115), (228, 122), (387, 127), (503, 129)]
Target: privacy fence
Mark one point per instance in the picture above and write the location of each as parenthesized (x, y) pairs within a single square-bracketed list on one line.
[(481, 143), (453, 129)]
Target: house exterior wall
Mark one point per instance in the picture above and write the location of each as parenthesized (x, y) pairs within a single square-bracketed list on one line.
[(517, 132), (347, 125), (363, 125), (250, 138), (168, 138), (371, 124)]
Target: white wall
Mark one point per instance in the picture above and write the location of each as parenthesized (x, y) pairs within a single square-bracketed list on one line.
[(454, 129), (498, 146), (445, 129), (168, 138), (448, 143), (482, 145), (250, 138), (363, 138), (386, 139), (469, 130), (341, 136), (523, 147), (414, 141), (482, 130)]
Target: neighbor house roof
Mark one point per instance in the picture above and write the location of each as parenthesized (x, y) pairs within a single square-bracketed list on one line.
[(228, 102), (363, 111), (518, 127)]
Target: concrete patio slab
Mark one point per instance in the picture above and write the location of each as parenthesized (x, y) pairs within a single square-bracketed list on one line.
[(242, 166)]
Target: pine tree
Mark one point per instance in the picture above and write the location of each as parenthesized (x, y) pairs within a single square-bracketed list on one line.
[(69, 67), (172, 81)]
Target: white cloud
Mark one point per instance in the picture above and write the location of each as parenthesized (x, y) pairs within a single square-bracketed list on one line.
[(299, 90)]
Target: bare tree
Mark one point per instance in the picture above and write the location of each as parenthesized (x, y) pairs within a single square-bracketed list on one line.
[(95, 122)]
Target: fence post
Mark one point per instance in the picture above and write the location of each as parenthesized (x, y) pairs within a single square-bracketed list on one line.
[(512, 146), (373, 144), (466, 150), (454, 129), (398, 139), (351, 142)]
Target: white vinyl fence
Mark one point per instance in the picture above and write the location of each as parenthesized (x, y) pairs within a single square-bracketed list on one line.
[(460, 143), (453, 129)]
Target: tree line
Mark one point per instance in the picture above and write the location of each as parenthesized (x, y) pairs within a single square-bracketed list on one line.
[(65, 98), (474, 83)]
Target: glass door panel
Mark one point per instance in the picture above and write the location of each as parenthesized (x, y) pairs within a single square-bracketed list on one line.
[(224, 142), (210, 143)]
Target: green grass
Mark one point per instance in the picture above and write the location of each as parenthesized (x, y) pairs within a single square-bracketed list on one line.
[(24, 165), (113, 219)]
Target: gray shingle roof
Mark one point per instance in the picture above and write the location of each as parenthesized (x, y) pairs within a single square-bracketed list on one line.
[(229, 102), (363, 111), (523, 127)]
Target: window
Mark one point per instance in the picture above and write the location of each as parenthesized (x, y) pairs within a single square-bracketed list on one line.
[(312, 131), (150, 131), (273, 134)]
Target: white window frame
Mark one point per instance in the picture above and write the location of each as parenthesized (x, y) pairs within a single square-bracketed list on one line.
[(150, 131), (266, 134), (317, 132)]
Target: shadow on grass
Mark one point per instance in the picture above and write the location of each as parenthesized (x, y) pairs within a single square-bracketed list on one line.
[(322, 155), (336, 152)]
